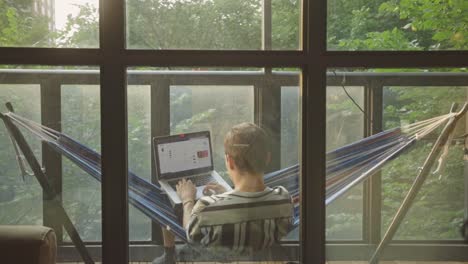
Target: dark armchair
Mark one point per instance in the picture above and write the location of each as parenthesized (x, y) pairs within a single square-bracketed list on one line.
[(27, 244)]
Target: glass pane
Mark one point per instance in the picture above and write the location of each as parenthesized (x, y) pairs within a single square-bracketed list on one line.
[(290, 120), (20, 194), (58, 112), (49, 23), (397, 25), (345, 125), (82, 193), (178, 121), (139, 149), (443, 191), (411, 108), (215, 108), (213, 25), (291, 117), (286, 24)]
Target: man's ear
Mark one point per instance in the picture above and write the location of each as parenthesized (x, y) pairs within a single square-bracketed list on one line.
[(230, 162)]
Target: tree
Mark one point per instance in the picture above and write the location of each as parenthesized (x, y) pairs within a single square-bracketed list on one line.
[(199, 24), (81, 30), (442, 193), (20, 26), (444, 21), (398, 25)]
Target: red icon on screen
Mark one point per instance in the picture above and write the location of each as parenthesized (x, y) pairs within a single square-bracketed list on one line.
[(202, 154)]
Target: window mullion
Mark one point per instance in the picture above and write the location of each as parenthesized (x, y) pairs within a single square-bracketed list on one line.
[(374, 194), (51, 160), (313, 136), (114, 132), (267, 25)]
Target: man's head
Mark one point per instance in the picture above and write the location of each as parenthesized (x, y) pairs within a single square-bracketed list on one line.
[(247, 146)]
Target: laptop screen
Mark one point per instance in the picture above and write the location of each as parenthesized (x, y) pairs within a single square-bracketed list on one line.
[(184, 154)]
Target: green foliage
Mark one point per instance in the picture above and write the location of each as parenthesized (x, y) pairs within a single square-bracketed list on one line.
[(344, 126), (398, 25), (445, 19), (438, 210), (24, 204), (406, 105), (394, 39), (82, 193), (199, 24), (81, 30), (20, 26), (286, 24)]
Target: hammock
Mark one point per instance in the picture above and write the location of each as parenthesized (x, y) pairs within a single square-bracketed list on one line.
[(345, 167)]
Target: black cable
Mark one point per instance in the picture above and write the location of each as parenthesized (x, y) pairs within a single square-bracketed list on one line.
[(366, 117)]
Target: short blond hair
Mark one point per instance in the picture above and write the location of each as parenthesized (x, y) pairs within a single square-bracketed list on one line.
[(248, 145)]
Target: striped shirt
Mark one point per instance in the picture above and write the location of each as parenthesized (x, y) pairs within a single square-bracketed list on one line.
[(241, 220)]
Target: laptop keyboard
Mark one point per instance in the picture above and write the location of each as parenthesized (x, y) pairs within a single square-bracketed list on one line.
[(198, 180)]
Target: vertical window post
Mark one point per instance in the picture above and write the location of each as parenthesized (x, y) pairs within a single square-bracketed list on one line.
[(114, 132), (373, 193), (313, 170), (51, 160)]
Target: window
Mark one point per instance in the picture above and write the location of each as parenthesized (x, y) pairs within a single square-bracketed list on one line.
[(21, 196), (62, 24), (345, 125), (213, 25), (403, 99), (163, 102), (443, 192), (68, 102), (139, 157), (396, 25), (82, 193)]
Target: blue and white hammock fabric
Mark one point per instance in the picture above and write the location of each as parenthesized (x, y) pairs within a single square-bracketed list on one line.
[(346, 166)]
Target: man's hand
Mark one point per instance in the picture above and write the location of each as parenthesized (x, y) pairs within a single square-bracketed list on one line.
[(213, 188), (186, 190)]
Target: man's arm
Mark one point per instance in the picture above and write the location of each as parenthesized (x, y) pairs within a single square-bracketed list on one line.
[(191, 210), (188, 207), (187, 193)]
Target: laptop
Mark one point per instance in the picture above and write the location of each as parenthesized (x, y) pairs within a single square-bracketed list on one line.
[(186, 156)]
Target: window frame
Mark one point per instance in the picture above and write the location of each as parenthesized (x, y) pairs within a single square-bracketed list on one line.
[(50, 82), (113, 59)]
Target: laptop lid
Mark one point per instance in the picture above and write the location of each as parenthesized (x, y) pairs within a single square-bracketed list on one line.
[(182, 155)]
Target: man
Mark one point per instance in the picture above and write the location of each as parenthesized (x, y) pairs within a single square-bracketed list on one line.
[(249, 218)]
